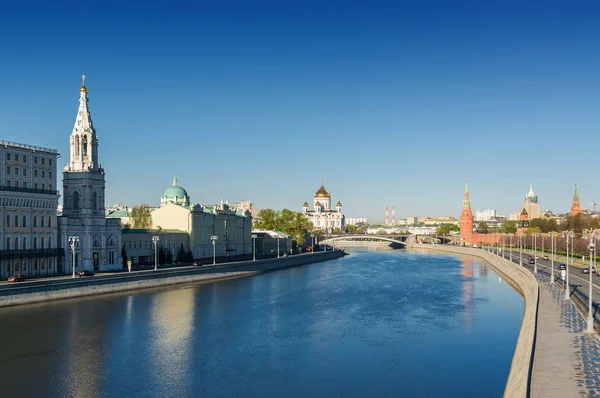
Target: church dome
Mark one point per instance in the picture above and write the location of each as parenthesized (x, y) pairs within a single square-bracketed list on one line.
[(317, 204), (339, 204), (305, 204), (322, 193), (175, 191)]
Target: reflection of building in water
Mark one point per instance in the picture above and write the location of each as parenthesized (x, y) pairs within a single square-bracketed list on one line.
[(467, 289)]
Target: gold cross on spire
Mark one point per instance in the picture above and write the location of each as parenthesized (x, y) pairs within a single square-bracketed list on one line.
[(83, 80)]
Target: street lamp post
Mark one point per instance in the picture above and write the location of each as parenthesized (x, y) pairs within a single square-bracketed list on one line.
[(553, 235), (73, 241), (277, 246), (567, 235), (535, 235), (214, 243), (591, 235), (155, 240), (253, 247)]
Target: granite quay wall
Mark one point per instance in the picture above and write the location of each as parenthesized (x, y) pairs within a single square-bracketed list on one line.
[(524, 282), (40, 291)]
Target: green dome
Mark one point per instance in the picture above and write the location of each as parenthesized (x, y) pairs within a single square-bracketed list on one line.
[(175, 191)]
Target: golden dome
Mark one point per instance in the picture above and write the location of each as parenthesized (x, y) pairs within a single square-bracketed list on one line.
[(317, 204), (322, 193), (339, 204), (305, 204)]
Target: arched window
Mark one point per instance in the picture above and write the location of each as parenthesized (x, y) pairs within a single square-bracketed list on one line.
[(7, 243), (8, 221), (75, 200), (16, 221), (16, 243), (42, 222), (84, 145), (94, 201), (24, 243), (76, 145), (24, 221), (49, 242), (49, 221), (35, 221), (42, 242), (35, 243)]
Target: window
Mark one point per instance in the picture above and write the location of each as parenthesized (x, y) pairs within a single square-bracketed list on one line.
[(16, 157), (75, 200), (16, 171), (8, 183), (49, 221), (50, 174), (8, 221), (35, 185), (24, 158), (50, 163), (24, 243), (24, 172), (7, 243), (24, 221), (35, 159), (43, 187), (50, 187), (42, 242), (7, 169), (16, 183), (24, 184), (16, 221), (43, 160), (49, 242), (35, 173), (7, 156), (42, 222), (16, 243), (43, 174), (35, 243)]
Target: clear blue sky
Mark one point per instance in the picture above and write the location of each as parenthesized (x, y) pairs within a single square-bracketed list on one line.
[(391, 103)]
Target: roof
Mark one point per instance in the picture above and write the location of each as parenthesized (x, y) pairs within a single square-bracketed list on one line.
[(175, 191), (322, 193)]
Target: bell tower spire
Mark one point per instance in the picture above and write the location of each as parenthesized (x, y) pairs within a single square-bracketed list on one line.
[(83, 141), (576, 205), (466, 218)]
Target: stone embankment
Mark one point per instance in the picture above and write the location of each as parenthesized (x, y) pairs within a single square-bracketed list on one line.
[(40, 291), (525, 283)]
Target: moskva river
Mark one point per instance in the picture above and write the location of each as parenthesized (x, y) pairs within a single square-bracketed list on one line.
[(392, 324)]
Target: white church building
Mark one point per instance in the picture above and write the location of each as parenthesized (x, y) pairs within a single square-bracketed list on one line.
[(322, 215), (98, 239)]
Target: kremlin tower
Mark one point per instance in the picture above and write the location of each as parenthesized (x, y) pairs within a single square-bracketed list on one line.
[(575, 206), (466, 219)]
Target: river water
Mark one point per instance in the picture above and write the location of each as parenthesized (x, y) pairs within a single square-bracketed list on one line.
[(370, 324)]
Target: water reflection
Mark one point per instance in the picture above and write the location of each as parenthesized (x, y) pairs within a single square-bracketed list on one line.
[(466, 265)]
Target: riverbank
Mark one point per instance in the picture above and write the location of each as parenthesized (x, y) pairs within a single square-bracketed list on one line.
[(41, 291), (525, 283)]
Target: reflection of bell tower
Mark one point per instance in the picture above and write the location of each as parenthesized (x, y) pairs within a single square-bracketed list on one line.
[(466, 218)]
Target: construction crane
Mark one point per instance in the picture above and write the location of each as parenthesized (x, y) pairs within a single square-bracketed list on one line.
[(594, 204)]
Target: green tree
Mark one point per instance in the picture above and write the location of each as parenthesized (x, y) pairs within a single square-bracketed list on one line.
[(168, 256), (181, 254), (355, 229), (287, 221), (483, 228), (140, 217), (509, 227), (445, 229), (161, 255)]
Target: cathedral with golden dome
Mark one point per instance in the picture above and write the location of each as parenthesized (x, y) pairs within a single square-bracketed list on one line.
[(322, 215)]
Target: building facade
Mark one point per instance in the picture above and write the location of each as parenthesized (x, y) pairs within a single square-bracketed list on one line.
[(139, 246), (485, 215), (232, 228), (28, 203), (531, 204), (98, 239), (357, 221), (322, 215)]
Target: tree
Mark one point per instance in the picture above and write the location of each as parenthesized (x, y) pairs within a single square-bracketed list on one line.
[(140, 217), (445, 229), (124, 256), (161, 255), (355, 229), (169, 256), (181, 254), (287, 221), (483, 228), (509, 227)]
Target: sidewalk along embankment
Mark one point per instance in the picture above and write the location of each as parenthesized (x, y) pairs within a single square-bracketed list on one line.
[(524, 282), (60, 289)]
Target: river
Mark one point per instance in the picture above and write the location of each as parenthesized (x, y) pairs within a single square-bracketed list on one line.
[(390, 323)]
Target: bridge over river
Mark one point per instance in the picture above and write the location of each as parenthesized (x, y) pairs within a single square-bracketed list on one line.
[(403, 241)]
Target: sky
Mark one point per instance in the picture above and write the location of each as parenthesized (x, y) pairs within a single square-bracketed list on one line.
[(389, 103)]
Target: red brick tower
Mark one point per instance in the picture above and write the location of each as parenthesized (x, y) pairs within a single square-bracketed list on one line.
[(575, 206), (466, 219)]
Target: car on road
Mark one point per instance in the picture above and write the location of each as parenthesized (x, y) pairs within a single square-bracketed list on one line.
[(17, 278), (586, 270), (562, 266), (531, 260), (546, 257), (85, 272), (195, 264)]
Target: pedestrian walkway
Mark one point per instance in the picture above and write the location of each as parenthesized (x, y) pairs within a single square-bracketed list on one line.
[(566, 358)]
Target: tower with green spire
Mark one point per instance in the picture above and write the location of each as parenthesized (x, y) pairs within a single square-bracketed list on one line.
[(575, 206), (466, 218)]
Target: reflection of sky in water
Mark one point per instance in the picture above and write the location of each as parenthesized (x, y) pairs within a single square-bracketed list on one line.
[(373, 323)]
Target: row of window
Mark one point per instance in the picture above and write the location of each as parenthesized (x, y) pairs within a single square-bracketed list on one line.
[(28, 202), (23, 268), (24, 158), (24, 185), (15, 171), (23, 243), (148, 243), (24, 223)]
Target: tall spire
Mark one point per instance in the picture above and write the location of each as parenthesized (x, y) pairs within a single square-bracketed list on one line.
[(466, 219), (575, 206), (531, 194), (84, 142), (466, 201)]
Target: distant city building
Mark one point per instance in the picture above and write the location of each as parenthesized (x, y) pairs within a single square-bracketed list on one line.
[(437, 220), (357, 221), (575, 205), (485, 215), (514, 216), (99, 239), (233, 228), (246, 205), (322, 215), (531, 204), (28, 210), (412, 220)]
